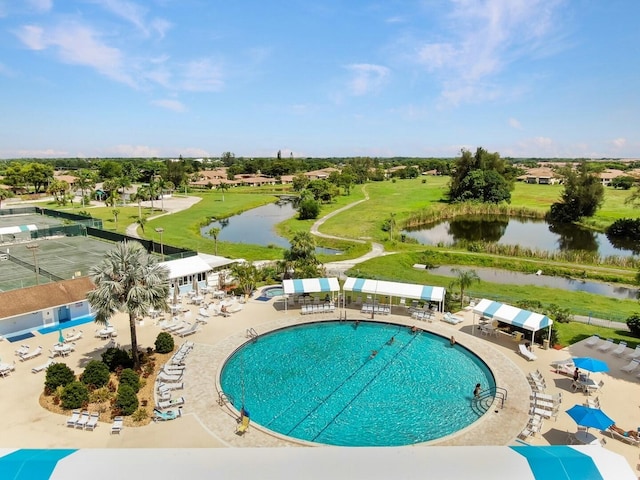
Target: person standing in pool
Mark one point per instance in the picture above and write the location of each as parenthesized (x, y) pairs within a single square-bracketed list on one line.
[(477, 390)]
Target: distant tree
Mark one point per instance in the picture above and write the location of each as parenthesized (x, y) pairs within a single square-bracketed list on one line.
[(223, 187), (464, 279), (115, 212), (481, 177), (4, 194), (214, 232), (623, 183), (59, 189), (85, 180), (299, 182), (109, 169), (583, 194), (228, 159), (308, 208), (37, 174)]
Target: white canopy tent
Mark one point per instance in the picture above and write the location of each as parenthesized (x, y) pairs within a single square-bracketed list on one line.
[(511, 315), (301, 286), (396, 289)]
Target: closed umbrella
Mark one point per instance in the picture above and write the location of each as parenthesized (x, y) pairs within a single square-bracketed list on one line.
[(60, 337), (590, 417), (196, 288), (175, 294)]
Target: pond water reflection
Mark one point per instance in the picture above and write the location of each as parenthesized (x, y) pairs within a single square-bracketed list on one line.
[(256, 226), (517, 278), (526, 232)]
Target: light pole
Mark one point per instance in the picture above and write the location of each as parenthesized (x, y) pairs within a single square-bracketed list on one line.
[(160, 231), (34, 248)]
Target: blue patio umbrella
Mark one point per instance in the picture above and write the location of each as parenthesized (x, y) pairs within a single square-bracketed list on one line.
[(590, 417), (591, 364)]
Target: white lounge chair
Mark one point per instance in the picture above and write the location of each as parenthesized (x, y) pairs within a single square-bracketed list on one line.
[(43, 366), (193, 328), (203, 312), (92, 423), (619, 351), (165, 378), (526, 353), (73, 419), (235, 308), (592, 341), (82, 421), (451, 318), (167, 387), (160, 416), (606, 346), (74, 336), (174, 402), (635, 355), (631, 366), (30, 355), (118, 425)]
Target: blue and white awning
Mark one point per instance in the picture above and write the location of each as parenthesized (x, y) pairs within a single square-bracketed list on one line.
[(514, 316), (443, 463), (310, 285), (394, 289)]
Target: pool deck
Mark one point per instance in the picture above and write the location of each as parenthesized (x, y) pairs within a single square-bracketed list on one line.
[(205, 423)]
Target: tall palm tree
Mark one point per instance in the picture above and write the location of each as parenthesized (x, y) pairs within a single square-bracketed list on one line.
[(128, 280), (214, 232), (223, 186), (464, 279), (246, 275)]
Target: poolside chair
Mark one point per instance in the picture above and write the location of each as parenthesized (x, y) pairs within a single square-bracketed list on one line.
[(118, 425), (631, 366), (23, 350), (635, 355), (167, 387), (623, 438), (526, 353), (606, 346), (82, 421), (160, 416), (43, 366), (188, 331), (174, 402), (30, 355), (622, 347), (73, 419), (592, 403), (592, 341), (243, 426), (165, 378), (451, 318), (92, 423)]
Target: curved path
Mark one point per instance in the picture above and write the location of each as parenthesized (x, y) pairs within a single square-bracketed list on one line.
[(338, 268), (170, 205)]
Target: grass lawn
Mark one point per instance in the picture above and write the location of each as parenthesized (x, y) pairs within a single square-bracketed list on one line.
[(572, 332)]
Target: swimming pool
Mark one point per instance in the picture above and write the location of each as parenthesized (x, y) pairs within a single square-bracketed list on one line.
[(318, 382), (272, 292)]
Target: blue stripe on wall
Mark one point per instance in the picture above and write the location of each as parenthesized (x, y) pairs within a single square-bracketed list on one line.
[(559, 463), (298, 286), (31, 464), (324, 285), (358, 285)]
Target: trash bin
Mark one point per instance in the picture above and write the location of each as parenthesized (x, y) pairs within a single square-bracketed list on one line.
[(545, 344)]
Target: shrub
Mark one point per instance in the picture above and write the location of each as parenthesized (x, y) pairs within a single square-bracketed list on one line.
[(308, 209), (75, 395), (139, 415), (100, 395), (117, 357), (95, 375), (58, 375), (131, 378), (164, 343), (126, 401), (633, 322)]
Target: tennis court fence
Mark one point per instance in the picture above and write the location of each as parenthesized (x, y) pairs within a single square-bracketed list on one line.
[(41, 271)]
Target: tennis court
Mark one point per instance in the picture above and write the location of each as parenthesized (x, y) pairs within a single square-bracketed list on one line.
[(63, 257), (21, 222)]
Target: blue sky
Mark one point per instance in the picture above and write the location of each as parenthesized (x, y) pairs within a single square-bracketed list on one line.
[(541, 78)]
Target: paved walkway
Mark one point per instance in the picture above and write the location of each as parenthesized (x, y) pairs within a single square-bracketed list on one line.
[(169, 205)]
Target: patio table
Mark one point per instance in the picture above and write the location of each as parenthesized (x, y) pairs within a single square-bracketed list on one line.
[(586, 438)]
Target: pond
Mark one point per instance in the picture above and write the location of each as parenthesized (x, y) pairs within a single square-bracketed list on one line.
[(526, 232), (516, 278), (257, 226)]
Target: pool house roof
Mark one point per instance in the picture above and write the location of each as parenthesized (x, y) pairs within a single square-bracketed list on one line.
[(310, 285), (513, 316), (395, 289)]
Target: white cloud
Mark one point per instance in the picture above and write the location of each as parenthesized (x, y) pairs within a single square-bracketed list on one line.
[(483, 37), (49, 152), (136, 15), (515, 123), (174, 105), (619, 142), (133, 151), (201, 76), (41, 6), (367, 78), (78, 45)]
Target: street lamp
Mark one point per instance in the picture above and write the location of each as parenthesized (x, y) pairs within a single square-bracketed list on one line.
[(34, 248), (160, 231)]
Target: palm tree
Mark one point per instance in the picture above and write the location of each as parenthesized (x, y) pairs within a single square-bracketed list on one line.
[(246, 275), (116, 212), (392, 224), (464, 279), (214, 232), (85, 180), (301, 257), (223, 186), (128, 280)]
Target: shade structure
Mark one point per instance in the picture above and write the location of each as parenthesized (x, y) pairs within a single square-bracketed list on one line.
[(310, 285), (513, 316), (591, 364), (590, 417), (395, 289)]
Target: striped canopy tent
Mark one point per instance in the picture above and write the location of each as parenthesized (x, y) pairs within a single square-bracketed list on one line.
[(513, 316), (301, 286), (396, 289)]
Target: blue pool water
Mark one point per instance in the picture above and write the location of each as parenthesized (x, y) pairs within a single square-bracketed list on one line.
[(272, 292), (318, 382)]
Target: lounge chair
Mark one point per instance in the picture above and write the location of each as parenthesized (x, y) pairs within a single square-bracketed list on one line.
[(452, 319), (592, 341), (83, 420), (526, 353), (592, 403), (166, 378), (235, 308), (43, 366), (74, 336), (565, 369), (623, 438), (23, 350), (160, 416), (92, 423), (606, 346), (167, 387), (174, 402), (30, 355), (633, 364), (635, 355), (203, 312), (188, 331), (73, 419), (243, 426), (118, 425), (622, 347)]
